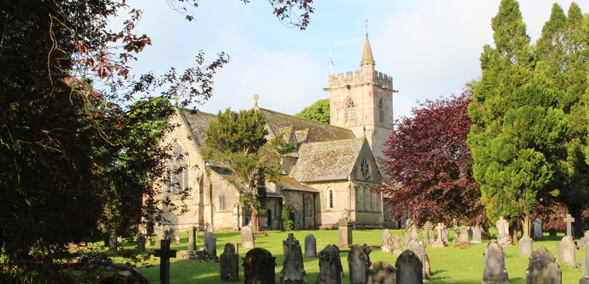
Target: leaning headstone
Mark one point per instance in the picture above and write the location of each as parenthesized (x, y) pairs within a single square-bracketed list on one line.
[(525, 246), (310, 246), (140, 242), (428, 233), (192, 238), (477, 235), (330, 266), (164, 254), (537, 228), (566, 251), (345, 234), (397, 249), (235, 246), (247, 237), (381, 272), (293, 268), (409, 268), (387, 243), (258, 267), (359, 263), (417, 247), (211, 243), (439, 243), (503, 237), (495, 271), (542, 268), (112, 241), (229, 264)]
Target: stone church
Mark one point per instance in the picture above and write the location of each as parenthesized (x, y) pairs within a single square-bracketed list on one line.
[(330, 175)]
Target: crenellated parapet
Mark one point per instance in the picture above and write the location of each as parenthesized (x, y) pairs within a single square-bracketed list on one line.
[(359, 78)]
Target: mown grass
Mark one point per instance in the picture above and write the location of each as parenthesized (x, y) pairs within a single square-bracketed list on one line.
[(448, 265)]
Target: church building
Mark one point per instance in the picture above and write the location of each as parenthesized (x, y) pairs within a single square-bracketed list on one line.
[(330, 175)]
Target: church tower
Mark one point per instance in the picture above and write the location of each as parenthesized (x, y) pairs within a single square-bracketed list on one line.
[(363, 102)]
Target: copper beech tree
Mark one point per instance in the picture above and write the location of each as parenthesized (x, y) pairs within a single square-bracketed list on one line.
[(430, 165)]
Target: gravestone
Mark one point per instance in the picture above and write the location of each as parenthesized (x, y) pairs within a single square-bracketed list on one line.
[(359, 263), (542, 268), (211, 244), (258, 267), (140, 242), (463, 237), (477, 235), (235, 246), (192, 238), (112, 241), (406, 238), (168, 232), (345, 234), (387, 243), (208, 228), (409, 268), (428, 233), (537, 228), (247, 237), (503, 237), (381, 272), (330, 266), (566, 251), (164, 254), (176, 234), (417, 247), (585, 264), (569, 220), (293, 268), (397, 249), (552, 232), (159, 236), (495, 271), (525, 246), (310, 246), (439, 242), (414, 231), (229, 264), (445, 234)]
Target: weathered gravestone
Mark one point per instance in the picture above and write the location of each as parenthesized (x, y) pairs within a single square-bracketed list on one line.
[(235, 246), (525, 246), (537, 228), (310, 246), (552, 232), (381, 272), (330, 266), (192, 238), (445, 234), (345, 233), (247, 237), (439, 242), (397, 249), (566, 251), (477, 235), (211, 243), (503, 237), (414, 231), (387, 243), (293, 268), (428, 233), (495, 271), (569, 220), (417, 247), (164, 254), (176, 235), (409, 268), (112, 241), (463, 237), (258, 267), (585, 278), (406, 238), (229, 264), (208, 228), (542, 269), (358, 263), (140, 242)]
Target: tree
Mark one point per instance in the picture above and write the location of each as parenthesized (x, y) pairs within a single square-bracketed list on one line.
[(517, 123), (430, 165), (236, 142), (319, 111)]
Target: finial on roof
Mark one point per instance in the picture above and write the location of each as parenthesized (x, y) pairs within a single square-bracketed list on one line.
[(367, 54), (366, 27), (256, 97)]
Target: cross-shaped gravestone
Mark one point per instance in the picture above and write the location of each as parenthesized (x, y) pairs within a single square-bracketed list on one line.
[(440, 227), (569, 220), (164, 254)]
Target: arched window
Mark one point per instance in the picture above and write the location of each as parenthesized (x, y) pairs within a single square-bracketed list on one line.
[(309, 209), (351, 109), (221, 202), (330, 199), (177, 170), (381, 111)]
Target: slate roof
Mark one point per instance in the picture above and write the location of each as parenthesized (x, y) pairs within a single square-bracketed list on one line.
[(198, 122), (324, 161), (290, 183)]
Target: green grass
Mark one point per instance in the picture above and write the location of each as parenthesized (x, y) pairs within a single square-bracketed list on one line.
[(459, 265)]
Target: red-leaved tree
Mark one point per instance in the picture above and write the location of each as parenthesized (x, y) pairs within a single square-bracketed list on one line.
[(430, 165)]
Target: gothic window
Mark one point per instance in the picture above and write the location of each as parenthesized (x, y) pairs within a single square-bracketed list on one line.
[(381, 111), (177, 170), (309, 209), (331, 199), (221, 202), (365, 168), (351, 109)]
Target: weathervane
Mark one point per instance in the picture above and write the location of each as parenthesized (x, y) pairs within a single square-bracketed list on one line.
[(366, 27)]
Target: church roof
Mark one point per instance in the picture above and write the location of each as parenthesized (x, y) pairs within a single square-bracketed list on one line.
[(289, 183), (198, 122), (323, 161), (316, 131), (367, 58)]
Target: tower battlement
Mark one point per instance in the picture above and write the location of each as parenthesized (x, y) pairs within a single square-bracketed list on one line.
[(356, 78)]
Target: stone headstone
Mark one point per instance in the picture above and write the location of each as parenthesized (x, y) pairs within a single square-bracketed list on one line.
[(409, 268), (477, 235), (247, 237), (164, 254), (293, 268), (330, 266), (235, 246), (112, 241), (569, 220), (258, 267), (359, 263), (503, 237), (211, 243), (439, 243), (208, 228), (525, 246), (229, 264), (537, 228), (345, 234), (310, 246), (414, 231), (177, 236), (168, 233), (585, 263), (542, 268), (140, 242), (445, 234), (566, 251), (495, 271), (552, 232), (192, 238), (397, 249), (428, 233), (387, 243), (463, 237), (406, 238), (417, 247), (381, 272)]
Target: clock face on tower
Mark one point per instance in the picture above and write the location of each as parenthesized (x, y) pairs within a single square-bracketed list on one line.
[(365, 169)]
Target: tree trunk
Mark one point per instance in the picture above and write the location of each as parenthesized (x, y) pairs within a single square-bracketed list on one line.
[(513, 233), (255, 223), (526, 225), (576, 212)]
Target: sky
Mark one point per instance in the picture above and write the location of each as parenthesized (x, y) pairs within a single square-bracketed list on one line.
[(431, 48)]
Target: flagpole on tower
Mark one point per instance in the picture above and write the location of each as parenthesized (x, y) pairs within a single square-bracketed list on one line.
[(330, 63)]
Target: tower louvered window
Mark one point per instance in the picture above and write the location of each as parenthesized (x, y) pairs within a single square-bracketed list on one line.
[(351, 108)]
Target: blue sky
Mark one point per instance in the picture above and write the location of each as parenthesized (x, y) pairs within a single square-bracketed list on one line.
[(431, 48)]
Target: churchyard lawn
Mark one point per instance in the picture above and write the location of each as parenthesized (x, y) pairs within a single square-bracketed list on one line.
[(448, 265)]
